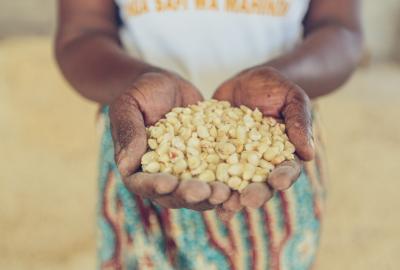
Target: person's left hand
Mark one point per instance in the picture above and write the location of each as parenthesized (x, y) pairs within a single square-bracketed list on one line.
[(274, 95)]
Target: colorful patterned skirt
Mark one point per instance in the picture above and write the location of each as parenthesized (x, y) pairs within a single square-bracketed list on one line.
[(137, 234)]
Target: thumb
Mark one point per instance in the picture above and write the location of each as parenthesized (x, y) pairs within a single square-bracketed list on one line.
[(224, 92), (297, 116), (128, 133)]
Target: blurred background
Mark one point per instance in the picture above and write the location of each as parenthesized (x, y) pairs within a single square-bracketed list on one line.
[(49, 145)]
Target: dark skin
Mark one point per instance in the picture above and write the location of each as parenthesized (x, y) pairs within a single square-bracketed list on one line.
[(90, 55)]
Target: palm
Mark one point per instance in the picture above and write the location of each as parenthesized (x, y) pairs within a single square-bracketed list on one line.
[(274, 95), (151, 97)]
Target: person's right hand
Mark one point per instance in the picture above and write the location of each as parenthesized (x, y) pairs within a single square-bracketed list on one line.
[(151, 96)]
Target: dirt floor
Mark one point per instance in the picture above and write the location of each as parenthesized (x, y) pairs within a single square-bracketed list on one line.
[(48, 167)]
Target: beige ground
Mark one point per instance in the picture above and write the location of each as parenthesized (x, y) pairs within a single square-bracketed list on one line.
[(48, 167)]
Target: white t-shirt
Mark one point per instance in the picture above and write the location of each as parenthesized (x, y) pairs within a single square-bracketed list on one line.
[(208, 41)]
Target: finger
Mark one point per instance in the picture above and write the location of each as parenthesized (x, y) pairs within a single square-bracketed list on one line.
[(285, 174), (201, 206), (190, 95), (225, 215), (228, 209), (255, 195), (233, 203), (224, 92), (129, 134), (219, 193), (169, 201), (151, 185), (192, 191), (297, 115)]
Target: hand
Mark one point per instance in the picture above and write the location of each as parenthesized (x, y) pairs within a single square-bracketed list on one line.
[(147, 101), (274, 95)]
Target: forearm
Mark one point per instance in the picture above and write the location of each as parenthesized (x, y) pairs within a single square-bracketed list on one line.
[(323, 61), (97, 67)]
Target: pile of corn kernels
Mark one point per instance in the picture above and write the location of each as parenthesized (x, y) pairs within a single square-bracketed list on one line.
[(213, 141)]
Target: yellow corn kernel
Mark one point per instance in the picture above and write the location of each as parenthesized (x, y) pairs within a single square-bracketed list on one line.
[(253, 158), (268, 166), (226, 148), (152, 167), (262, 147), (207, 176), (178, 143), (194, 162), (289, 147), (200, 169), (152, 143), (185, 133), (186, 176), (179, 166), (278, 159), (250, 146), (243, 185), (193, 142), (254, 135), (234, 182), (245, 109), (213, 158), (149, 157), (156, 132), (241, 133), (222, 172), (248, 121), (257, 115), (202, 131), (192, 151), (166, 168), (235, 169), (175, 154), (271, 153), (258, 178), (164, 158), (248, 171), (232, 159)]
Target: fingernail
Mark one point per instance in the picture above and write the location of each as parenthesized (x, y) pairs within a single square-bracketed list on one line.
[(311, 142), (120, 156), (122, 163)]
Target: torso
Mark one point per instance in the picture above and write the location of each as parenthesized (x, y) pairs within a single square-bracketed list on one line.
[(207, 41)]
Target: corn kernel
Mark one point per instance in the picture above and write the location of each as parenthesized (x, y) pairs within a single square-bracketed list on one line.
[(222, 172), (248, 171), (234, 182), (207, 176), (179, 166), (236, 169), (149, 157), (152, 167)]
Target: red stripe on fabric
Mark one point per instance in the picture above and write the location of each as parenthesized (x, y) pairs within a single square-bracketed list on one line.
[(273, 262), (214, 242), (254, 258), (288, 225), (144, 212), (316, 201), (171, 246), (115, 259), (232, 242)]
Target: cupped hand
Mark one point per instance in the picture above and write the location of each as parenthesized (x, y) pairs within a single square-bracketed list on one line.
[(274, 95), (151, 96)]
